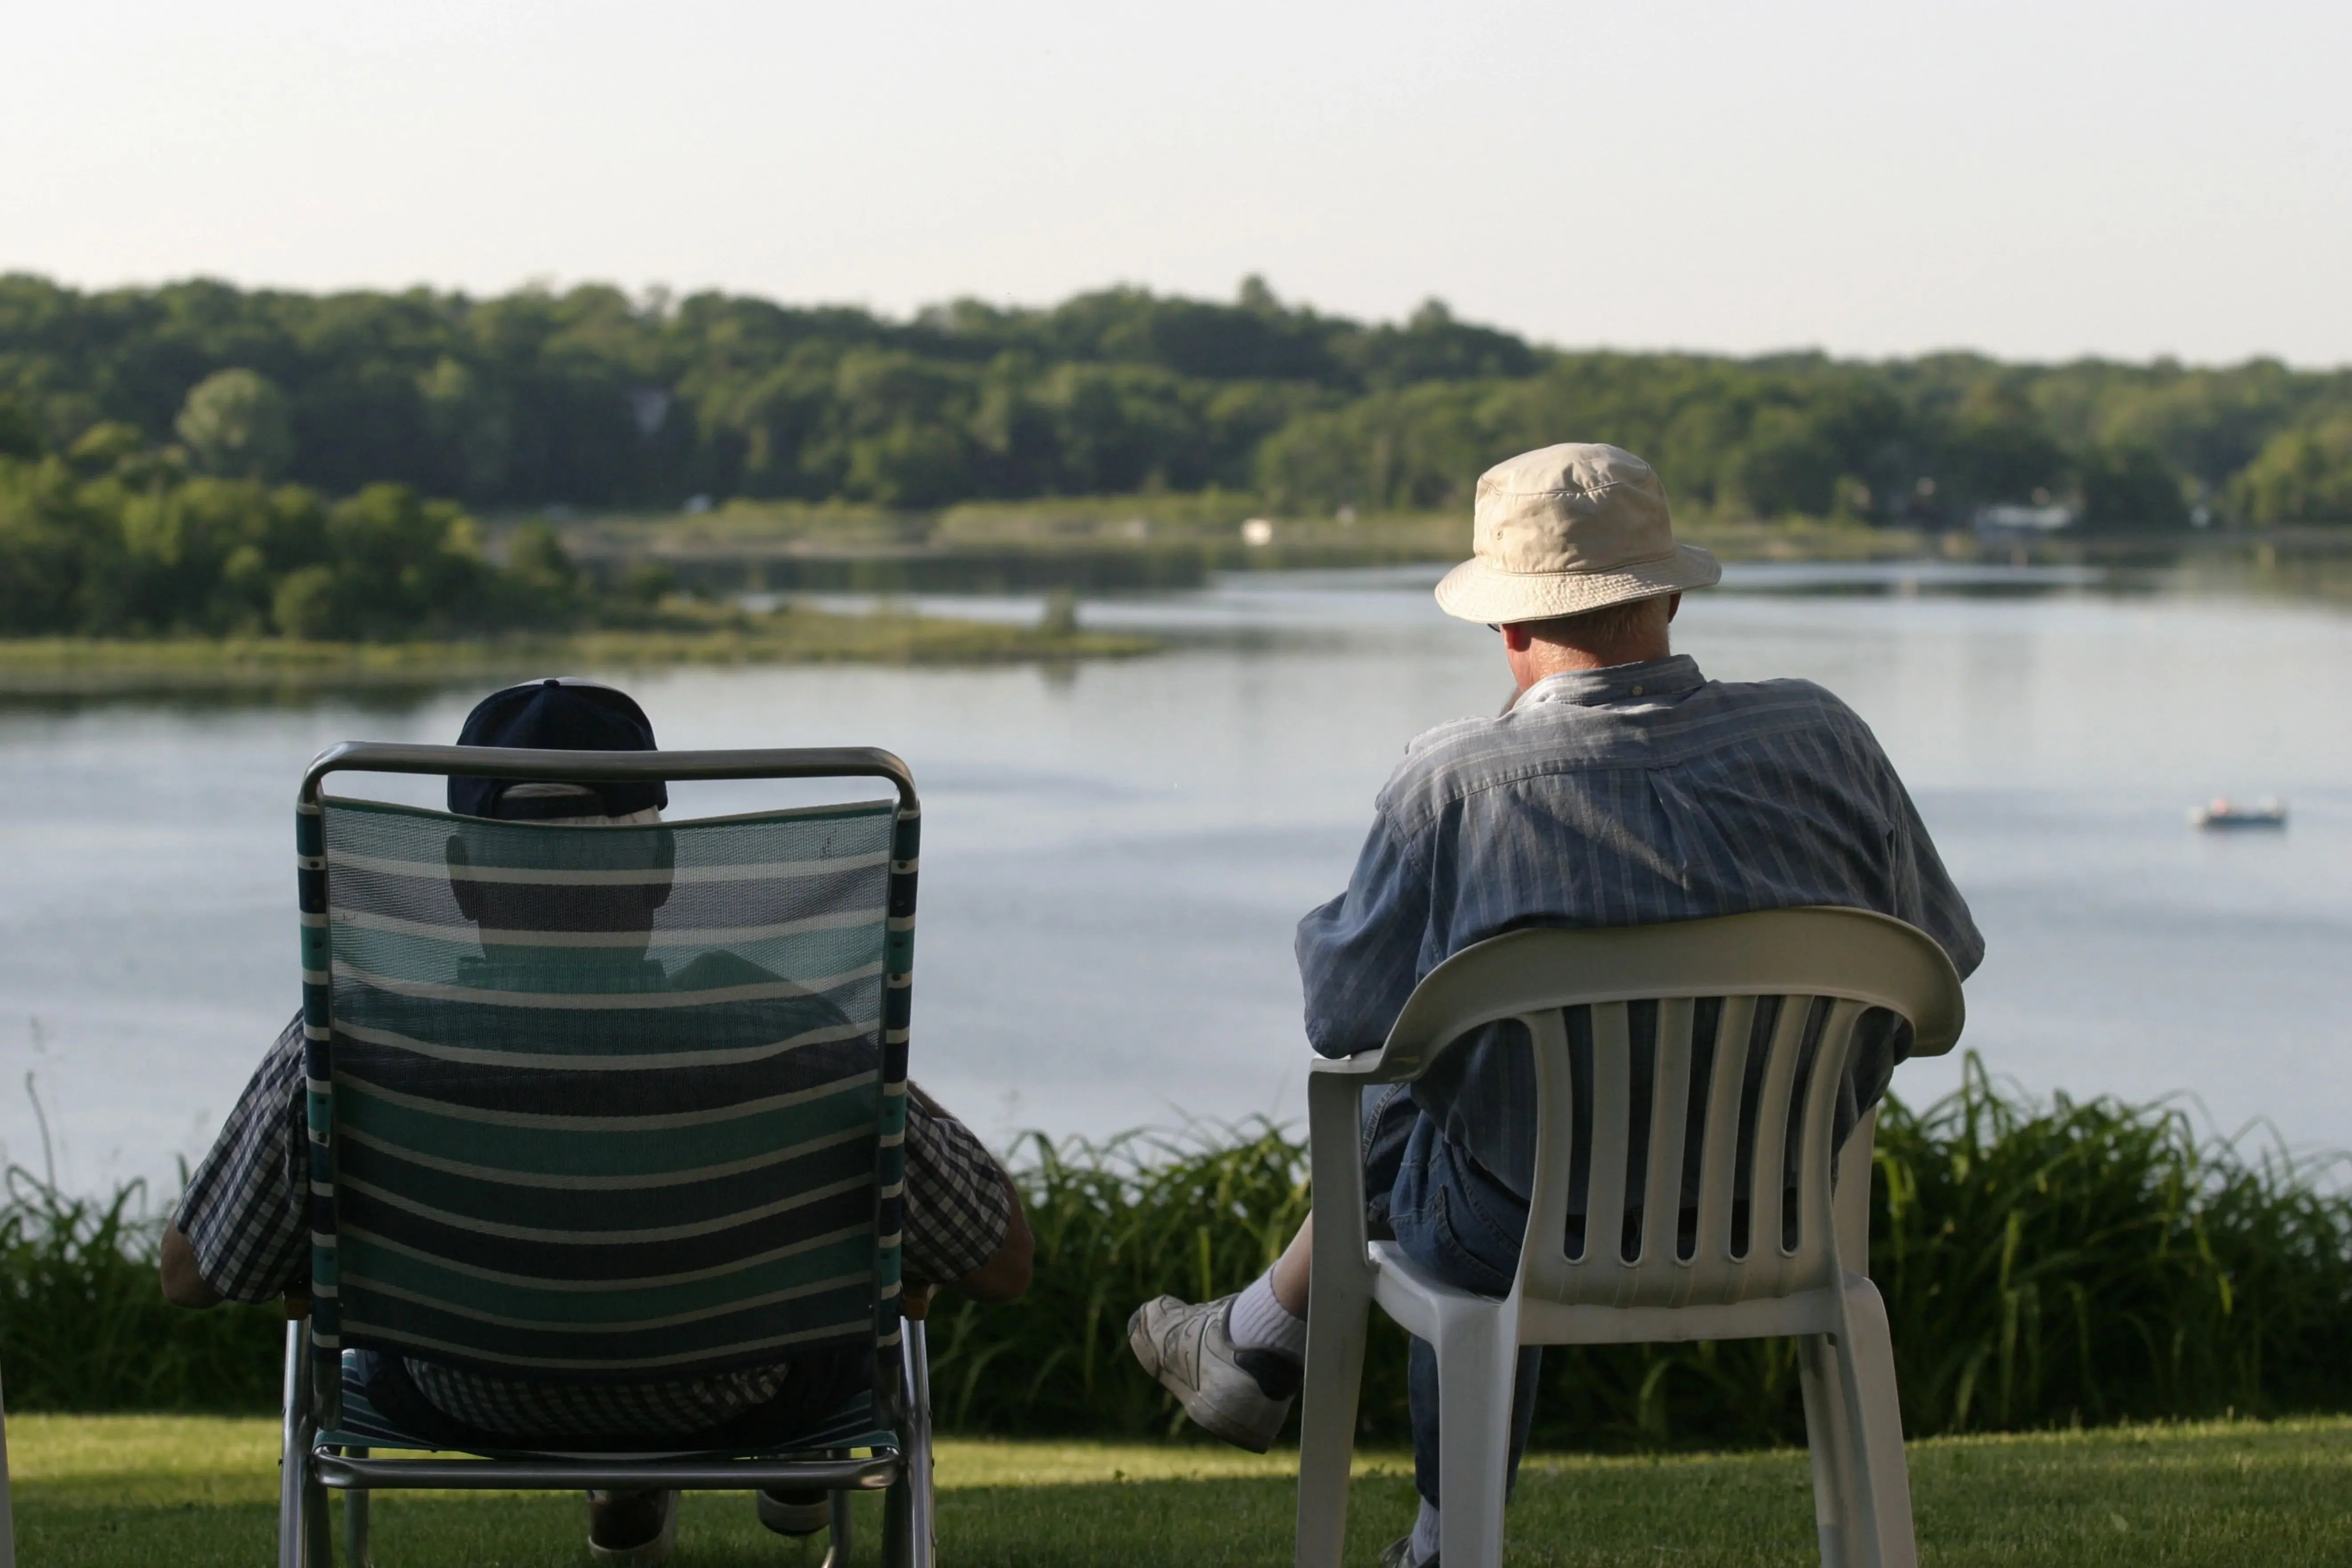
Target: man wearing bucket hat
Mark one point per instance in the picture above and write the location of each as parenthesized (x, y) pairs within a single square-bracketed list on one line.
[(238, 1232), (1619, 786)]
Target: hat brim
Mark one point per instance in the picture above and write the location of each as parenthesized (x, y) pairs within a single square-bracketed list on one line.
[(1474, 591)]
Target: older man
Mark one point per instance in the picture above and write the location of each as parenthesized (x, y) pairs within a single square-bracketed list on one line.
[(240, 1235), (1620, 786)]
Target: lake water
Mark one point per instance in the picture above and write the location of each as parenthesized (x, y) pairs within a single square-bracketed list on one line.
[(1115, 854)]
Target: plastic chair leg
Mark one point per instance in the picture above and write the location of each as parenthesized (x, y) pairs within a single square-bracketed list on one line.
[(1879, 1477), (1338, 1319), (1477, 1361), (7, 1518), (1831, 1444)]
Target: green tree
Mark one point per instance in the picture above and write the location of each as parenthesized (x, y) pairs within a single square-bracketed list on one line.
[(2299, 476), (303, 605), (593, 397), (20, 431), (403, 564), (236, 423), (472, 424), (2128, 487), (45, 530), (1788, 466), (2000, 449), (541, 584)]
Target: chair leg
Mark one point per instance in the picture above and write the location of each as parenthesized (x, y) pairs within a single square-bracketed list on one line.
[(294, 1453), (1878, 1478), (910, 1526), (318, 1528), (1478, 1365), (839, 1543), (1338, 1319), (1831, 1444), (909, 1534), (355, 1520)]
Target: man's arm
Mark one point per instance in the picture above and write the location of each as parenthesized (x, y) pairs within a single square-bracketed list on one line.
[(1360, 956), (1925, 893), (1005, 1275), (238, 1232), (183, 1285), (964, 1224)]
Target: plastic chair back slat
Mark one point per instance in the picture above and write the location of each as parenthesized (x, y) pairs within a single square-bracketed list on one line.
[(1815, 1226), (1669, 1123), (1611, 1122), (1764, 1203), (1547, 1201), (1765, 1181), (1721, 1132)]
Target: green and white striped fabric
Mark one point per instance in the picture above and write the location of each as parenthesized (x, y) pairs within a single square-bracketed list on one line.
[(607, 1102)]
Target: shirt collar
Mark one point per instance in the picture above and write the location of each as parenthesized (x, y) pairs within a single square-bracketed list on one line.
[(1618, 683)]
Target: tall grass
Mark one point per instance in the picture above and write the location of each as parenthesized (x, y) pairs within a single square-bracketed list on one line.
[(2044, 1263), (1117, 1222), (2094, 1261), (84, 1325)]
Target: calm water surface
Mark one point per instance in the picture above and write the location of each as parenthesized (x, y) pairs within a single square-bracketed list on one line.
[(1115, 855)]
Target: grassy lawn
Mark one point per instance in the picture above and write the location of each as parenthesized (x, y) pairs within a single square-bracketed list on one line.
[(157, 1489)]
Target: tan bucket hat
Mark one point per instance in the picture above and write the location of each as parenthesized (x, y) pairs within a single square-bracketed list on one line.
[(1571, 528)]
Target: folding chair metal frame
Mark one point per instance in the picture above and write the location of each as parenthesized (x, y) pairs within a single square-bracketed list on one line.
[(310, 1467)]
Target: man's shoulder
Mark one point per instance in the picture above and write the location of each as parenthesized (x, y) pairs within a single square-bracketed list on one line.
[(1468, 754), (1789, 698)]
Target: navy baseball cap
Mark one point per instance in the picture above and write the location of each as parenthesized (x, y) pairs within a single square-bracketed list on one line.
[(561, 714)]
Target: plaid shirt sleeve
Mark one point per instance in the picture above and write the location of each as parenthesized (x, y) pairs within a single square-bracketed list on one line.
[(242, 1213), (958, 1199)]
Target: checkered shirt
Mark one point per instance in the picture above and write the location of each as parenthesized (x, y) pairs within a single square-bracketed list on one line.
[(243, 1215)]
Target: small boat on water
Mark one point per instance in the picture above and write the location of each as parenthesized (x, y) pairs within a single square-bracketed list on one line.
[(2223, 812)]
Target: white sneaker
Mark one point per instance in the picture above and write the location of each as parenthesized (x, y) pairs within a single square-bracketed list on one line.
[(1188, 1351), (1398, 1553)]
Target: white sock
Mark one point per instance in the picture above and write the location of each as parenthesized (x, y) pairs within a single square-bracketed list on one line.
[(1258, 1322), (1424, 1533)]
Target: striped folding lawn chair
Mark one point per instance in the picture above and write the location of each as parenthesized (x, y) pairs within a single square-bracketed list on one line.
[(603, 1105)]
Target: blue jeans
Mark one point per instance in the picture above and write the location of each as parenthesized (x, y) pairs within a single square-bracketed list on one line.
[(1457, 1223)]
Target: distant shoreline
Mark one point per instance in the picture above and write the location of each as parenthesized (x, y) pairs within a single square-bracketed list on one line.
[(1131, 544), (1116, 544), (73, 666)]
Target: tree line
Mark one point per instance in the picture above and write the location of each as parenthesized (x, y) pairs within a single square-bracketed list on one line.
[(114, 538), (593, 397)]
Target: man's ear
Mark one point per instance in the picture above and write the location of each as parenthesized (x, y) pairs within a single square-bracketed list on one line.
[(1673, 606), (468, 892), (1515, 637)]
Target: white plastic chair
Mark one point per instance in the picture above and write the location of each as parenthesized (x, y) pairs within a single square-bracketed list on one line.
[(1811, 1283), (7, 1518)]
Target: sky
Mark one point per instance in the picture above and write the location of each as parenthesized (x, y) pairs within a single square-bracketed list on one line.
[(2034, 180)]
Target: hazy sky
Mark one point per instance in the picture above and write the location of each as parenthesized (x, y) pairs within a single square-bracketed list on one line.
[(2036, 180)]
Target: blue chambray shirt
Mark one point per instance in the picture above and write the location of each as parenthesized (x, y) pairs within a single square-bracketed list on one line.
[(1629, 795)]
